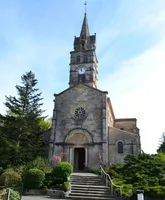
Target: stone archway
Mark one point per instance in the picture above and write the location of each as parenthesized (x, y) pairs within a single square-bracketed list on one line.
[(79, 140), (78, 136)]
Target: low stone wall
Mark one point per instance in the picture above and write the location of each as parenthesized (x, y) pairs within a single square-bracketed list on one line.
[(149, 198), (51, 193)]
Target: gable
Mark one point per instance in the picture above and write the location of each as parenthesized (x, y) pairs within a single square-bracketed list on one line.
[(81, 88)]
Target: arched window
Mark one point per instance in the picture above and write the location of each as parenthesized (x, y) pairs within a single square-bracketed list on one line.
[(120, 147), (81, 78)]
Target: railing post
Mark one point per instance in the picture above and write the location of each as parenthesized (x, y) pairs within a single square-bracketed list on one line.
[(8, 193), (112, 185), (106, 180), (121, 192), (111, 189), (101, 173)]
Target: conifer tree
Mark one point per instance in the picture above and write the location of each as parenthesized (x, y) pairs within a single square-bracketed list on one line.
[(20, 127), (162, 144)]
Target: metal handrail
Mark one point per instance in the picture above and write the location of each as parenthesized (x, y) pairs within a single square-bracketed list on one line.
[(112, 184)]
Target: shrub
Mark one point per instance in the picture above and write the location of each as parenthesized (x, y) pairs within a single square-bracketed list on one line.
[(33, 178), (14, 195), (65, 186), (55, 159), (162, 181), (62, 171), (156, 191), (96, 171), (10, 179), (126, 190), (1, 171), (39, 163), (3, 194), (62, 186), (48, 179), (112, 173)]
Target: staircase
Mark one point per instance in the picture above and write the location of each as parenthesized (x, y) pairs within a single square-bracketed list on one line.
[(88, 186)]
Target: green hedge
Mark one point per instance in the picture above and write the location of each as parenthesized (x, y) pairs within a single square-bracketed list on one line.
[(61, 172), (10, 179), (47, 183), (33, 178)]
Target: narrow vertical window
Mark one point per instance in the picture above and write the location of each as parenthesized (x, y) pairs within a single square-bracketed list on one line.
[(120, 147), (78, 59), (85, 58)]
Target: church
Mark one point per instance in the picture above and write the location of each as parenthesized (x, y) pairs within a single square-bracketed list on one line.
[(84, 127)]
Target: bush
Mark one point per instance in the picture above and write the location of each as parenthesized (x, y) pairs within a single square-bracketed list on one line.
[(112, 173), (156, 191), (48, 179), (126, 190), (3, 194), (65, 186), (14, 195), (162, 181), (33, 178), (39, 163), (62, 171), (96, 171), (10, 179), (62, 186), (1, 171)]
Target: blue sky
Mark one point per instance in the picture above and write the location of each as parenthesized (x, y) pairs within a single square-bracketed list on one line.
[(38, 35)]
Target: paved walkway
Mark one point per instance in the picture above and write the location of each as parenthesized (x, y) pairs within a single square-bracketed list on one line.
[(84, 174), (38, 198)]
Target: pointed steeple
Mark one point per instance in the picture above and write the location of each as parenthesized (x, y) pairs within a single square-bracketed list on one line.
[(85, 29), (85, 41)]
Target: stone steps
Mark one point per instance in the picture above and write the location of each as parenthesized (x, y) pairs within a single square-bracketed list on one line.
[(88, 198), (88, 186)]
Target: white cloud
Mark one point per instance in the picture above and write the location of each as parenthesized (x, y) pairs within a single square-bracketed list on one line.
[(137, 90), (136, 86)]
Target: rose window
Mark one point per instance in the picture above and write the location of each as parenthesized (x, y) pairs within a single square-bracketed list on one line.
[(80, 112)]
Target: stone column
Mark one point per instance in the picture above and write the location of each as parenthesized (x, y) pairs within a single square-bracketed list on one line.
[(86, 157), (71, 155), (104, 130)]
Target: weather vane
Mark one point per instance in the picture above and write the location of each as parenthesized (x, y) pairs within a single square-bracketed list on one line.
[(85, 4)]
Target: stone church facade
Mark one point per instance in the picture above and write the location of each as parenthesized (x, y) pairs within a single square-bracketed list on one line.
[(84, 126)]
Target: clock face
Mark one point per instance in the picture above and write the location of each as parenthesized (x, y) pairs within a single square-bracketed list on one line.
[(81, 70)]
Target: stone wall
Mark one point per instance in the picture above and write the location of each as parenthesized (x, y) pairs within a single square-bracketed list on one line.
[(130, 144), (81, 96)]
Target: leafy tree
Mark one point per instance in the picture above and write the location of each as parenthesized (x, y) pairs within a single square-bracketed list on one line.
[(23, 125), (143, 172)]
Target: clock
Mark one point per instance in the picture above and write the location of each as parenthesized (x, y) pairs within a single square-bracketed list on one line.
[(81, 70)]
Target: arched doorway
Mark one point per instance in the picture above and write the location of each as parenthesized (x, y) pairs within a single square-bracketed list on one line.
[(78, 141), (79, 159)]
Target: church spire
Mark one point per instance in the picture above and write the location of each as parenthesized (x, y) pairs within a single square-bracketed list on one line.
[(85, 29)]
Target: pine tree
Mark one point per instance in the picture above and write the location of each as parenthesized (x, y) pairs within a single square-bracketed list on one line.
[(21, 125), (162, 144)]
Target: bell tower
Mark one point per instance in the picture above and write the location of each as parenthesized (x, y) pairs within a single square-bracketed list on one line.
[(83, 59)]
